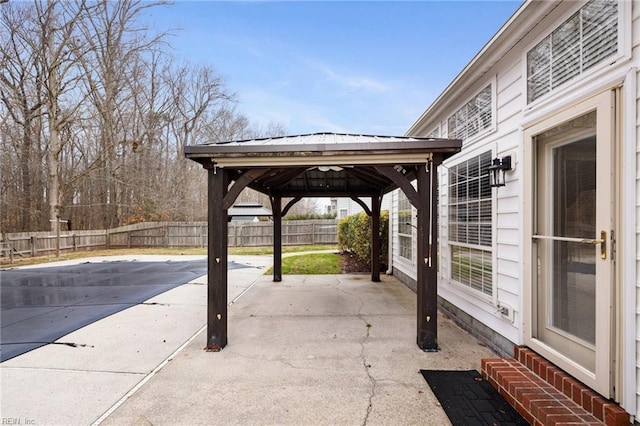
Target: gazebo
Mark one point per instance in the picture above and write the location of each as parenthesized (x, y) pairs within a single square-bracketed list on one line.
[(324, 165)]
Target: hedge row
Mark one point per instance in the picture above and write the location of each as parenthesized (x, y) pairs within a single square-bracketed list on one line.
[(354, 235)]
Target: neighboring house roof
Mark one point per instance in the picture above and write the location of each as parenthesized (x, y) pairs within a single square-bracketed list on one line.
[(249, 210)]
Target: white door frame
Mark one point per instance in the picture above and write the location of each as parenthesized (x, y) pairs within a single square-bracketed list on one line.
[(601, 379)]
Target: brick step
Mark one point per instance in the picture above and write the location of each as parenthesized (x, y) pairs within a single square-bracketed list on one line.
[(545, 395)]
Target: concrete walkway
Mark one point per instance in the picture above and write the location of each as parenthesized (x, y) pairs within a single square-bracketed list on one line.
[(333, 349)]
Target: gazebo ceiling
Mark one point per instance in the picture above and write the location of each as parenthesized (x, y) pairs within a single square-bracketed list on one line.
[(322, 164), (300, 181)]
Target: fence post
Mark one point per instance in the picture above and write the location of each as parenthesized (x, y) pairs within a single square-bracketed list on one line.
[(166, 236), (129, 232), (313, 234), (235, 235), (32, 242), (285, 233), (10, 250), (75, 242), (57, 237), (107, 243)]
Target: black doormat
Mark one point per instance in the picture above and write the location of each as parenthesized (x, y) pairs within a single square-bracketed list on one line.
[(468, 399)]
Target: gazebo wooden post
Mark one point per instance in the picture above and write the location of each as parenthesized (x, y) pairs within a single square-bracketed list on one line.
[(218, 182), (276, 208), (375, 238), (427, 333)]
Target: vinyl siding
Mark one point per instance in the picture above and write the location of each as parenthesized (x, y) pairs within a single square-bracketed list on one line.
[(352, 207), (408, 267)]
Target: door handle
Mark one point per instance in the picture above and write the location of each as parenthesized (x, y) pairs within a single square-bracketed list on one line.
[(602, 241)]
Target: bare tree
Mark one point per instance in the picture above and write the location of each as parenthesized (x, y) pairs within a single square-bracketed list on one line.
[(116, 42), (147, 128), (21, 98), (198, 99), (95, 114), (57, 52)]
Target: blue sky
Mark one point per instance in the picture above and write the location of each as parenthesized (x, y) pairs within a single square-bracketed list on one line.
[(366, 67)]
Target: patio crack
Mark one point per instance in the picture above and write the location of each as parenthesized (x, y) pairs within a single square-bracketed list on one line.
[(367, 369), (365, 363)]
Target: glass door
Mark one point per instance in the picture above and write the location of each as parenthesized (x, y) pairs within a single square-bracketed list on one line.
[(572, 223)]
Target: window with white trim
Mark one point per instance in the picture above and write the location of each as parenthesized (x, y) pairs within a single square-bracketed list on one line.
[(470, 228), (405, 227), (474, 116), (584, 40)]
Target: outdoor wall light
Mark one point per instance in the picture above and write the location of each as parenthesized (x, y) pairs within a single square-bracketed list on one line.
[(497, 169)]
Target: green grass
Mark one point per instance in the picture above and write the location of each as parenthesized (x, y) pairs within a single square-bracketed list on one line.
[(311, 264), (247, 251)]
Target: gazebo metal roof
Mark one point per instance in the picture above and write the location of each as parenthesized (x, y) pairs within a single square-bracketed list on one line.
[(323, 141), (322, 164)]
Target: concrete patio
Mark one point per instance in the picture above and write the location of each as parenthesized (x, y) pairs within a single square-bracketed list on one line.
[(335, 349)]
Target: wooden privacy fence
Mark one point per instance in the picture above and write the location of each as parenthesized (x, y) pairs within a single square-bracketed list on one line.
[(167, 234)]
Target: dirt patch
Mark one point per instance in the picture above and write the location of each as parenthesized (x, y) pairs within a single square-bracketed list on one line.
[(352, 264)]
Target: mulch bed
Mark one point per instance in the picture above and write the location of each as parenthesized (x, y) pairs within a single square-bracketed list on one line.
[(352, 264)]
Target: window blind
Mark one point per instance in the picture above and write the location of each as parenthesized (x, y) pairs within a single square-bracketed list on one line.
[(584, 40), (472, 117), (470, 223)]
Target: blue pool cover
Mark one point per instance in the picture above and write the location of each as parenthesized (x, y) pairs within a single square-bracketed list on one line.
[(40, 305)]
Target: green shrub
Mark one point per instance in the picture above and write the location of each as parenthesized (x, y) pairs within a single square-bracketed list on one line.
[(354, 235)]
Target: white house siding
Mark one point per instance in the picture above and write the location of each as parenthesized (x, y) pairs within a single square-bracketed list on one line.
[(344, 207), (507, 207), (405, 266), (512, 115), (347, 207), (444, 260)]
